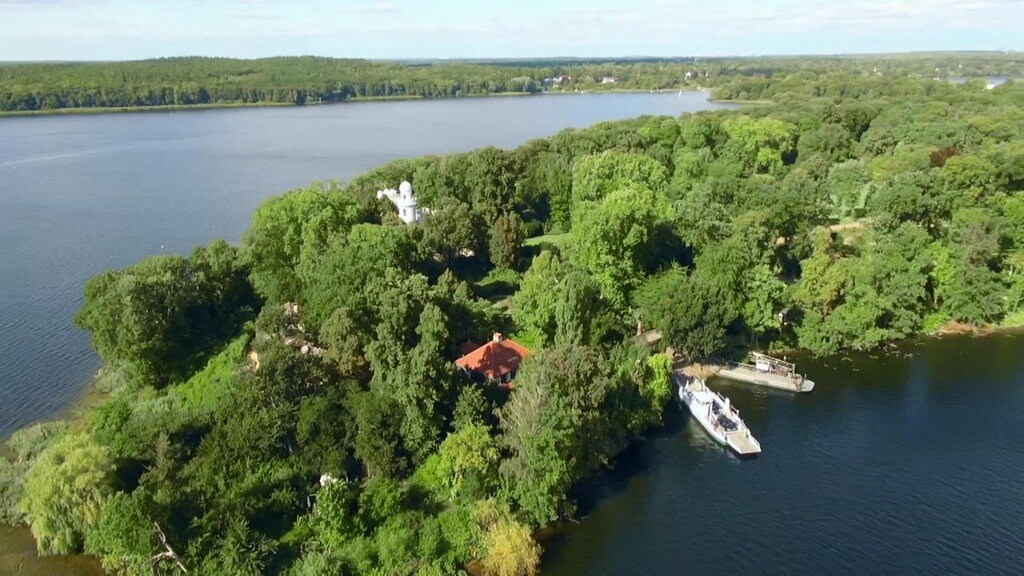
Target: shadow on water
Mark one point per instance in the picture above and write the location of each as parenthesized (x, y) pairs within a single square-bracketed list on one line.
[(629, 467), (633, 462)]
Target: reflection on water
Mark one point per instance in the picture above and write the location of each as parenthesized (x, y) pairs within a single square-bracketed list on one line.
[(700, 441), (18, 557)]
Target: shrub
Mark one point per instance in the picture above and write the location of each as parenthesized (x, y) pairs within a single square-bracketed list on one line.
[(64, 492), (27, 444)]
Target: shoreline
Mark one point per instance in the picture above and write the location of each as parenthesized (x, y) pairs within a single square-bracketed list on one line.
[(404, 98), (741, 102), (958, 329), (18, 552), (15, 540), (89, 395)]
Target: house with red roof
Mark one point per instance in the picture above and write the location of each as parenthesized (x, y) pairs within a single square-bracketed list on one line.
[(497, 361)]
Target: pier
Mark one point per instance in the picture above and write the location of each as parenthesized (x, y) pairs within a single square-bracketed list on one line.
[(766, 371)]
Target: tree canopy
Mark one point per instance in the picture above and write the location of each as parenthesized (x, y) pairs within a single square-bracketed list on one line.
[(292, 405)]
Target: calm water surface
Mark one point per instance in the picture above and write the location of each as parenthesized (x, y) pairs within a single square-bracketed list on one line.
[(900, 463), (907, 463), (81, 194)]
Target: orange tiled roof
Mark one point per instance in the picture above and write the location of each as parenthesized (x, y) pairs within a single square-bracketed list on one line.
[(494, 359), (468, 347)]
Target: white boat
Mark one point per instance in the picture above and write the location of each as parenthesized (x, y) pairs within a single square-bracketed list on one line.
[(717, 416)]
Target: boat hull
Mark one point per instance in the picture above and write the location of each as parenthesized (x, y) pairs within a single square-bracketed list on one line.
[(715, 414), (696, 411), (767, 380)]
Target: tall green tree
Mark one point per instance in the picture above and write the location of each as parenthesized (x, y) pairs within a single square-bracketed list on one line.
[(615, 238), (691, 311), (349, 273), (553, 427), (506, 239), (758, 145), (160, 317), (452, 229), (469, 452), (491, 176), (535, 304), (596, 176), (283, 224)]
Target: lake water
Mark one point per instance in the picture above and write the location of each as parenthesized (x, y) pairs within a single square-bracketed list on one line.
[(908, 462), (904, 463), (81, 194)]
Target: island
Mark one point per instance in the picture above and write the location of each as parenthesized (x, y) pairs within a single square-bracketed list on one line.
[(315, 400)]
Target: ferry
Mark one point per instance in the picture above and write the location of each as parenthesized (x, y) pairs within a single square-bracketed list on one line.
[(717, 416), (767, 371)]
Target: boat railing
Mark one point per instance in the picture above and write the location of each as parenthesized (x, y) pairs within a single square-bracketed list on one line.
[(792, 375)]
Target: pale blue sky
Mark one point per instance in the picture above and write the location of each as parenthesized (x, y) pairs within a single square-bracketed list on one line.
[(121, 30)]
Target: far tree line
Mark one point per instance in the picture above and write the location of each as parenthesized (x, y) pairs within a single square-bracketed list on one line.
[(192, 81)]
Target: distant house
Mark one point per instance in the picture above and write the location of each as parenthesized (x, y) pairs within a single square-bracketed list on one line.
[(563, 79), (497, 361), (405, 203), (609, 80)]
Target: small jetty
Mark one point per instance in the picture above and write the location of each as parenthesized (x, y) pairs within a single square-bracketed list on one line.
[(716, 415), (765, 371)]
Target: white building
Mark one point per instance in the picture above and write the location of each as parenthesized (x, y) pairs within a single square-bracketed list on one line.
[(405, 202)]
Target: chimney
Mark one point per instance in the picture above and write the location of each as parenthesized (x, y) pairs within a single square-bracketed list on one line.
[(497, 337)]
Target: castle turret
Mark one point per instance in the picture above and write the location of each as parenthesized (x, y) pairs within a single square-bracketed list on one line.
[(404, 202)]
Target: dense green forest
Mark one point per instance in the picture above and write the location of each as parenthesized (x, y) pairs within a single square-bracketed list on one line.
[(290, 405), (27, 87), (205, 81)]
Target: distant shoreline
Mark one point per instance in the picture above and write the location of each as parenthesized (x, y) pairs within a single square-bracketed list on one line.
[(740, 102), (224, 105)]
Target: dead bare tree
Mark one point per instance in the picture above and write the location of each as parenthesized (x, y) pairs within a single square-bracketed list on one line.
[(168, 552)]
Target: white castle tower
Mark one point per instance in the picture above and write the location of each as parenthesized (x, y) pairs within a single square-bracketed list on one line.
[(404, 201)]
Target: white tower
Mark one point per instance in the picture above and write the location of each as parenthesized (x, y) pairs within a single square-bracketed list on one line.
[(404, 201)]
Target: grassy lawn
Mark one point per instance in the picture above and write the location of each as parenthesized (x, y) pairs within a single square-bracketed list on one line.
[(527, 339), (553, 239), (497, 285)]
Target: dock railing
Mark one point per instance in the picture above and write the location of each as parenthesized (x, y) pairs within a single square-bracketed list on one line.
[(769, 364), (782, 373)]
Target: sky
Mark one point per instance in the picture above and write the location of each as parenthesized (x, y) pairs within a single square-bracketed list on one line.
[(386, 29)]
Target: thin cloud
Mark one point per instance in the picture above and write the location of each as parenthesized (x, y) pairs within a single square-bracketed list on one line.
[(368, 8), (97, 29)]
